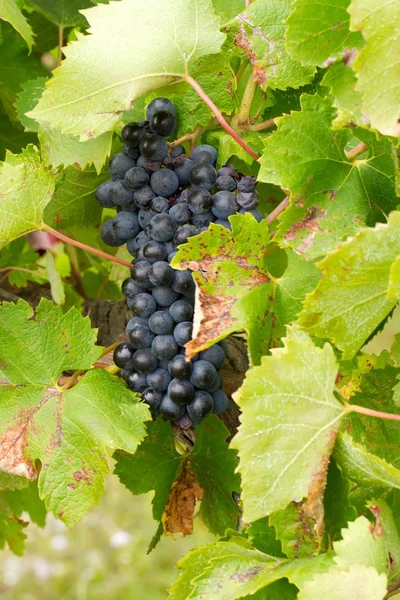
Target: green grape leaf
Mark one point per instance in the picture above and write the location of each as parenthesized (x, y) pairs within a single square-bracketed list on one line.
[(385, 519), (318, 32), (27, 500), (351, 300), (358, 583), (228, 147), (65, 13), (46, 33), (19, 254), (87, 93), (394, 280), (67, 430), (74, 203), (361, 543), (27, 99), (298, 529), (206, 471), (10, 11), (60, 149), (331, 196), (215, 76), (363, 467), (284, 446), (341, 80), (12, 137), (338, 509), (379, 62), (56, 283), (11, 528), (27, 188), (227, 9), (263, 537), (260, 34)]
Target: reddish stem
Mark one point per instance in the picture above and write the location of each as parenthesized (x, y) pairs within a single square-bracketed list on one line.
[(278, 210), (263, 125), (69, 240), (372, 413), (356, 151), (207, 100)]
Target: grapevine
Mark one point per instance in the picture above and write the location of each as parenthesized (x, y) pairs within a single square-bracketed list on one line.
[(199, 276)]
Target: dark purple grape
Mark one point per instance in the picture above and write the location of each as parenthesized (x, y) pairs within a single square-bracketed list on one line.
[(247, 184), (119, 165), (171, 410), (159, 104), (137, 382), (201, 406), (126, 225), (109, 236), (183, 172), (204, 375), (136, 178), (160, 205), (153, 146), (221, 402), (225, 183), (181, 213), (247, 200), (163, 122), (180, 311), (123, 356), (183, 282), (143, 197), (215, 355), (154, 252), (164, 182), (164, 347), (144, 361), (103, 195), (199, 201), (183, 333), (140, 273), (161, 228), (141, 336), (159, 380), (179, 367), (177, 151), (143, 305), (132, 133), (161, 273), (161, 322), (199, 150), (204, 176), (181, 391), (120, 195)]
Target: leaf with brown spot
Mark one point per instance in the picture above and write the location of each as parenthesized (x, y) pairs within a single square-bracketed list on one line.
[(58, 436), (181, 503)]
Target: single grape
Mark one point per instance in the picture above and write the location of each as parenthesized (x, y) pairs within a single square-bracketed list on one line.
[(203, 220), (224, 205), (164, 295), (119, 165), (145, 215), (181, 213), (183, 233), (141, 336), (154, 252), (228, 170), (183, 172), (109, 236), (161, 228), (142, 239), (126, 225), (183, 333), (181, 391), (201, 406), (159, 104), (161, 322), (170, 410), (148, 164), (221, 402), (164, 182), (132, 324), (103, 195), (153, 146), (255, 212), (131, 151), (123, 356), (143, 197), (177, 151), (119, 194), (204, 375), (131, 207), (140, 273), (160, 205), (181, 310), (224, 223), (164, 347), (179, 368), (247, 200), (225, 183), (199, 201), (205, 148), (161, 274), (131, 288), (215, 355), (136, 178), (183, 282), (203, 175), (247, 184), (137, 382), (153, 399), (143, 305), (144, 361), (132, 133), (163, 122), (159, 380)]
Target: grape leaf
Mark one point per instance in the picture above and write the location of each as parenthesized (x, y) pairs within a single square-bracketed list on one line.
[(228, 147), (27, 188), (331, 196), (338, 509), (350, 300), (378, 62), (362, 543), (318, 32), (358, 583), (175, 478), (298, 529), (27, 99), (363, 467), (56, 283), (86, 95), (61, 149), (19, 254), (263, 538), (74, 203), (66, 430), (227, 9), (65, 13), (385, 519), (10, 11), (13, 137), (11, 528), (289, 424), (27, 500), (341, 80), (259, 33), (46, 33)]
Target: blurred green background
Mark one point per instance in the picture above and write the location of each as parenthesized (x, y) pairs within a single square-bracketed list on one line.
[(102, 557)]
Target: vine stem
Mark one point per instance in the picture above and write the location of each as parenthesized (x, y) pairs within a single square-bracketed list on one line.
[(243, 115), (356, 151), (68, 240), (207, 100), (261, 126), (35, 273), (60, 44), (278, 210), (372, 413), (109, 349)]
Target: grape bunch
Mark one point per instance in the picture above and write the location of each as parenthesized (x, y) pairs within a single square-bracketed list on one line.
[(161, 199)]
